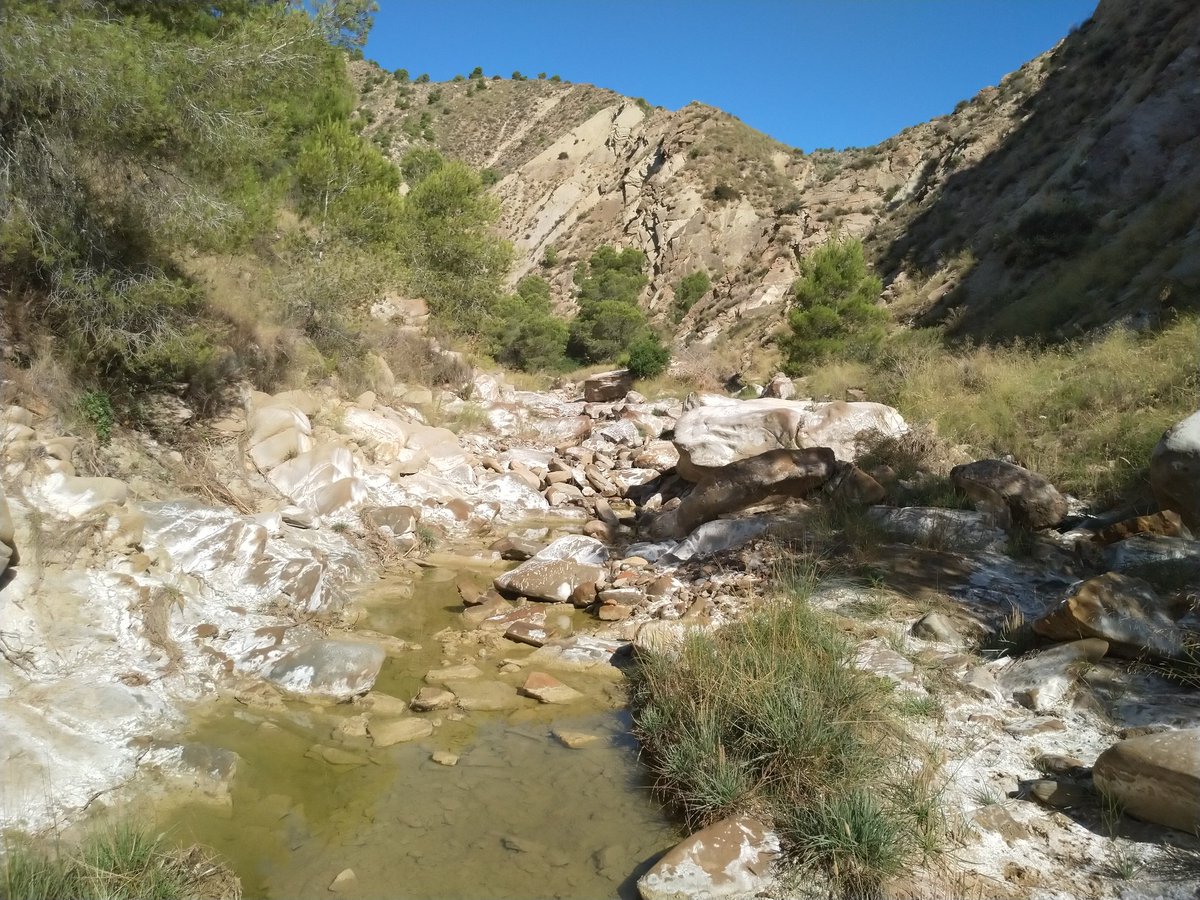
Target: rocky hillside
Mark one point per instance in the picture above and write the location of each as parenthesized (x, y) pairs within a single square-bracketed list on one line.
[(1000, 218)]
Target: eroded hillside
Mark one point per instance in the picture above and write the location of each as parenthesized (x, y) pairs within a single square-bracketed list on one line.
[(1052, 202)]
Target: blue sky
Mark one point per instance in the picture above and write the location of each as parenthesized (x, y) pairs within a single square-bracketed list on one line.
[(811, 73)]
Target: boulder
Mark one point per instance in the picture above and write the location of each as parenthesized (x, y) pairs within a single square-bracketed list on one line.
[(731, 858), (1175, 470), (714, 432), (737, 485), (1160, 524), (1023, 498), (337, 670), (557, 570), (604, 387), (1155, 777), (1122, 610), (780, 387), (74, 497)]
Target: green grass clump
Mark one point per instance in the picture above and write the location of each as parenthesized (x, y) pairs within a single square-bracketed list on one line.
[(122, 862), (770, 716)]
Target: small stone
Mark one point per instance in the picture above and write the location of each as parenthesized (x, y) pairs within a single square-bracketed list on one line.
[(527, 632), (1040, 725), (547, 689), (345, 880), (444, 758), (399, 731)]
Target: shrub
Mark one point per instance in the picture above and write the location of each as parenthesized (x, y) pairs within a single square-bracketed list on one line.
[(647, 357), (550, 257), (835, 311), (771, 715), (724, 192), (690, 289), (423, 78), (609, 319), (477, 72), (118, 863), (522, 330), (96, 409), (563, 154), (401, 75)]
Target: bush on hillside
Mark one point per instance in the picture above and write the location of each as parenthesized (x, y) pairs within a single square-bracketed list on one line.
[(689, 289), (522, 331), (835, 311), (609, 319), (648, 357)]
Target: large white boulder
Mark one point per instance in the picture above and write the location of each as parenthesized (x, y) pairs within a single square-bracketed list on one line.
[(715, 431)]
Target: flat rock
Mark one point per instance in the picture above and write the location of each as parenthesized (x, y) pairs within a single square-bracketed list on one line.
[(1043, 680), (485, 695), (940, 529), (399, 731), (1155, 777), (345, 880), (453, 673), (548, 689), (574, 740), (554, 573), (731, 858), (430, 698)]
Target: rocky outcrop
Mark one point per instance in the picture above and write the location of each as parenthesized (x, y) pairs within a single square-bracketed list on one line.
[(731, 859), (714, 431), (1122, 610), (1155, 777), (8, 541), (1175, 471), (1022, 498), (794, 473)]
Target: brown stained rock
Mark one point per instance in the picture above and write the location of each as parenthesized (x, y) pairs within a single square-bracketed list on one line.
[(533, 633), (731, 858), (1155, 777), (794, 473), (1019, 496), (1061, 794), (1165, 524), (1120, 609), (474, 616), (604, 387), (515, 548), (548, 689), (613, 612)]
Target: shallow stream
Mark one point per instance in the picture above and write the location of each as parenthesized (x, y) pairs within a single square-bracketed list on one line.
[(520, 815)]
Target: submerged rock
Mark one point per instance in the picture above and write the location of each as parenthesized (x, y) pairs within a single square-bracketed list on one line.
[(335, 670), (731, 858)]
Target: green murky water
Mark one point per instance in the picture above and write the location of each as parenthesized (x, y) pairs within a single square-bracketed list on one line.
[(519, 816)]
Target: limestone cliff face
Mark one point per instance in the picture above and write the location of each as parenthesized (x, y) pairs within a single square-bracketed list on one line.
[(998, 218)]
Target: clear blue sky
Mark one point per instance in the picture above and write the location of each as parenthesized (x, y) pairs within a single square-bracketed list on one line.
[(811, 73)]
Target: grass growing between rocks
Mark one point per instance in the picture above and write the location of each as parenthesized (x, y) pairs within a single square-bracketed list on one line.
[(118, 862), (770, 716)]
